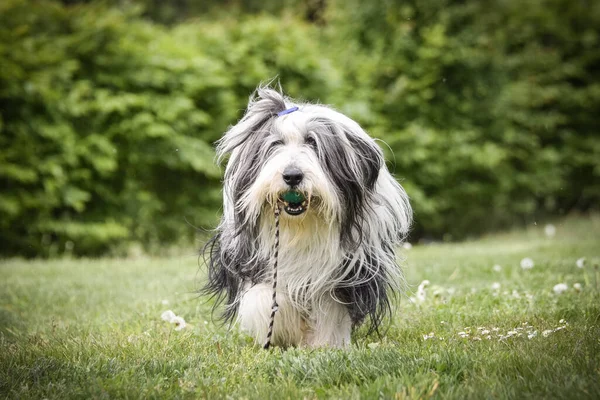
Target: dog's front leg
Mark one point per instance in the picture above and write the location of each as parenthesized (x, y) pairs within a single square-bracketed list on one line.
[(254, 317), (330, 324)]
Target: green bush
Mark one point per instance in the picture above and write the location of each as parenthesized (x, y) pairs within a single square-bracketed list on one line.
[(107, 119), (488, 107)]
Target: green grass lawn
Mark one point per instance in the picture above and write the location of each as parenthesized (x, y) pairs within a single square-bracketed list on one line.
[(92, 329)]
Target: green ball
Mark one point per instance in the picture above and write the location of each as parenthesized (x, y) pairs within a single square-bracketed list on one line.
[(293, 197)]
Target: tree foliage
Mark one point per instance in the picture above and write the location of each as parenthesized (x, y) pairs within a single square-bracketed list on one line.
[(488, 107), (107, 119)]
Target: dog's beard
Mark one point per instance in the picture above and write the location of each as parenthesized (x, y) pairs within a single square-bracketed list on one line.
[(296, 204), (315, 195)]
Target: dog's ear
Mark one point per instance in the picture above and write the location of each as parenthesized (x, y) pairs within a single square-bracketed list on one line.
[(369, 157), (350, 155), (263, 105)]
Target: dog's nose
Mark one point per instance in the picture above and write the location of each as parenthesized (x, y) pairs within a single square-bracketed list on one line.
[(292, 176)]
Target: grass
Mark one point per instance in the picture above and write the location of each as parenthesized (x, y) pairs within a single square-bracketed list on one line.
[(92, 329)]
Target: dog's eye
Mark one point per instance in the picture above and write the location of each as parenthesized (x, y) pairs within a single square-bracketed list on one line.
[(311, 142), (275, 143)]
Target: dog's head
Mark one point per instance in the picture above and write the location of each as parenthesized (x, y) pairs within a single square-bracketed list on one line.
[(307, 158)]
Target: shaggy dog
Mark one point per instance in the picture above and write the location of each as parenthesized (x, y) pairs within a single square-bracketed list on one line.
[(342, 217)]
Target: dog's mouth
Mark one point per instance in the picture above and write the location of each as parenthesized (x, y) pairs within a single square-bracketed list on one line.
[(294, 202)]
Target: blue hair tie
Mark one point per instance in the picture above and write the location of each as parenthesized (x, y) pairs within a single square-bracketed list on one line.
[(288, 111)]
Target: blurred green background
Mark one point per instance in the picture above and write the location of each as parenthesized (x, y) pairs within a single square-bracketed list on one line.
[(109, 110)]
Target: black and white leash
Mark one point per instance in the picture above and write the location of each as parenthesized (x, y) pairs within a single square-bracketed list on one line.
[(275, 306), (277, 211)]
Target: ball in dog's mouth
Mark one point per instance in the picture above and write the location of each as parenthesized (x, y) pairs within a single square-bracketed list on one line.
[(294, 202)]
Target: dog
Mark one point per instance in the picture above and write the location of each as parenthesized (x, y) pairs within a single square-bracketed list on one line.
[(342, 217)]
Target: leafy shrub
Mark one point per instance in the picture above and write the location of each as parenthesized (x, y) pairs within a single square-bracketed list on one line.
[(487, 107), (108, 121)]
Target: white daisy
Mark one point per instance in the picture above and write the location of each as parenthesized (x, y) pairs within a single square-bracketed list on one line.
[(497, 268), (550, 230), (527, 263), (179, 323), (421, 294), (560, 288), (168, 316), (532, 335), (496, 286), (577, 287), (165, 302), (407, 246), (580, 262)]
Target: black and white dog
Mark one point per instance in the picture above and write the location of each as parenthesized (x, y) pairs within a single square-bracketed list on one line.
[(343, 215)]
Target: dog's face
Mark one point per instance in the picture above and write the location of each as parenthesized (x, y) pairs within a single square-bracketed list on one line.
[(291, 172), (313, 160)]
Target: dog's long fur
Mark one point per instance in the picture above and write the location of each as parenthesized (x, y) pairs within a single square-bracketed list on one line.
[(337, 261)]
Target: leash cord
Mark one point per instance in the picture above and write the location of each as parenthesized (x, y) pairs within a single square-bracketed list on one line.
[(275, 306)]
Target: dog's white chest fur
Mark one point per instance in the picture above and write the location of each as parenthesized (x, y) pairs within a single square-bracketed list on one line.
[(309, 254)]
